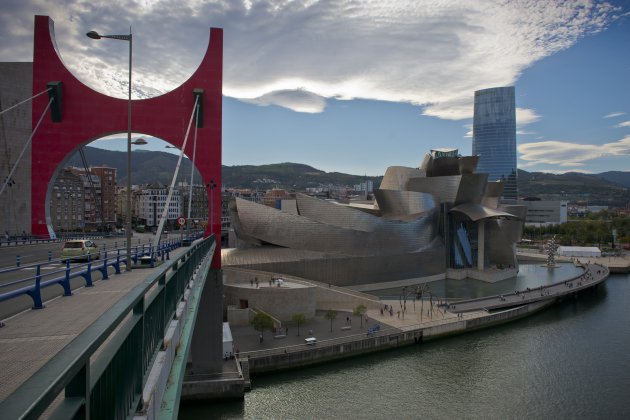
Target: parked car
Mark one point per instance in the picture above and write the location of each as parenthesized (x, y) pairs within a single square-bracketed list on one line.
[(80, 249)]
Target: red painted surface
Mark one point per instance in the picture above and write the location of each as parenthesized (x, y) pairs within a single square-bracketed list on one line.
[(89, 115)]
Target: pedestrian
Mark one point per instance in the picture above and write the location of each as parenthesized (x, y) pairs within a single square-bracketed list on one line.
[(260, 338), (251, 281), (347, 320), (286, 330)]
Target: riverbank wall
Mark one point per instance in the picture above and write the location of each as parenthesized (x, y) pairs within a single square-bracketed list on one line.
[(330, 350)]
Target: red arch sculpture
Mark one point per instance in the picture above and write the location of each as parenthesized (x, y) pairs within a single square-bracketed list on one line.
[(88, 115)]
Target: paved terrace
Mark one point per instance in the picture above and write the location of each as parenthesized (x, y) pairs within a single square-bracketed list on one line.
[(31, 338), (418, 315)]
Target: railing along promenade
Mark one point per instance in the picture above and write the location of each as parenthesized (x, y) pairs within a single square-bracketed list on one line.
[(101, 373), (33, 285)]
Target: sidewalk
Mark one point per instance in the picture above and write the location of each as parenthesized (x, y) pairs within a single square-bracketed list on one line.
[(31, 338)]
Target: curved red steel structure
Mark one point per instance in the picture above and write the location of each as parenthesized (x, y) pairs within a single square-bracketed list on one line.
[(89, 115)]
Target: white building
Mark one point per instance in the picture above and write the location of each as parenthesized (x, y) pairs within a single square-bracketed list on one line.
[(151, 203), (545, 213), (579, 251)]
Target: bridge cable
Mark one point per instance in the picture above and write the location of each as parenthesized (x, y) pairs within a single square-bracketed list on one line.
[(192, 169), (28, 143), (24, 101), (156, 242)]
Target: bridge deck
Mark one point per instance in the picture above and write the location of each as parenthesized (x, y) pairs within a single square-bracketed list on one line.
[(593, 275), (31, 338)]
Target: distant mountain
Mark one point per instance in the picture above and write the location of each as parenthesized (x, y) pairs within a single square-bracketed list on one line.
[(147, 167), (150, 167), (620, 177), (573, 187), (608, 188)]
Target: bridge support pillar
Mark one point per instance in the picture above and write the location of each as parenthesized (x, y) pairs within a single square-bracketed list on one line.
[(207, 341)]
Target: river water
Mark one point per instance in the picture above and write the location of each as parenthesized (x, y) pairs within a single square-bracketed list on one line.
[(571, 360)]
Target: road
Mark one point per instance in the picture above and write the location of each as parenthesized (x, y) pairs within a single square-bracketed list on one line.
[(38, 253)]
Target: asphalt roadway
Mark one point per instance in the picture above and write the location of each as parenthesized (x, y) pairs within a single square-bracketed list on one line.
[(38, 253)]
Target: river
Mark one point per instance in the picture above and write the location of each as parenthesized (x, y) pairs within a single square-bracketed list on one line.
[(571, 360)]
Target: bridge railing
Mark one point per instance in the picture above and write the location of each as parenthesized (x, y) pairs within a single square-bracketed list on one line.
[(123, 342), (33, 285)]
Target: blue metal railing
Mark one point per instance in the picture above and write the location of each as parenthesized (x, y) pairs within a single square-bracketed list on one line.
[(110, 387), (33, 285)]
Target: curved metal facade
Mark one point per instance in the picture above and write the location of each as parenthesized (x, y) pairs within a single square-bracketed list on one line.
[(409, 232)]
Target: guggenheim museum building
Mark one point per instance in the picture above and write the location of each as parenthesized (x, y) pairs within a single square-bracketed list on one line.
[(442, 219)]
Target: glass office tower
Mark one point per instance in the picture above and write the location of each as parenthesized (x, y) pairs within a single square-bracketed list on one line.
[(494, 136)]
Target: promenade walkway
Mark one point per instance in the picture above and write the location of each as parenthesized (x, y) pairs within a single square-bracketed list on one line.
[(31, 338), (593, 275)]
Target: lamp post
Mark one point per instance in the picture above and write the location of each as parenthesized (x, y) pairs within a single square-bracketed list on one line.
[(211, 185), (95, 35)]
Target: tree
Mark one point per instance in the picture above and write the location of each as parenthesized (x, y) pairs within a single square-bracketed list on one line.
[(262, 322), (299, 319), (359, 311), (331, 314)]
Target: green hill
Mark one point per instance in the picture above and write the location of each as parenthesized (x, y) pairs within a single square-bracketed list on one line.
[(608, 188)]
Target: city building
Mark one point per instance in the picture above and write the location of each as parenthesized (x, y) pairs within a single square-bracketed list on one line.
[(544, 212), (67, 202), (273, 197), (16, 85), (107, 176), (100, 196), (151, 204), (199, 201), (494, 137)]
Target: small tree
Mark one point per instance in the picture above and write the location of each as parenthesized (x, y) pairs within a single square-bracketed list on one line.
[(359, 311), (331, 314), (262, 322), (299, 319)]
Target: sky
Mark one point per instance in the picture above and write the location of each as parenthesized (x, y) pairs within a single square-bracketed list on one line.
[(357, 86)]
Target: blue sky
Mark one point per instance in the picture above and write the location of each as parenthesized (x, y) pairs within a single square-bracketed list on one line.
[(357, 86)]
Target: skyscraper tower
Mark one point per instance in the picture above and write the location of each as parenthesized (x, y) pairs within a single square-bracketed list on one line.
[(494, 136)]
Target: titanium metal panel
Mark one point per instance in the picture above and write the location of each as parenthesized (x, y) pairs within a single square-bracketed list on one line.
[(468, 164), (387, 237), (492, 195), (471, 188), (397, 177), (442, 188), (443, 166), (331, 213), (476, 212), (399, 203)]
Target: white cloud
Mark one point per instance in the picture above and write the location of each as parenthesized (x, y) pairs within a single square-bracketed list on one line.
[(526, 116), (560, 153), (614, 114), (296, 100), (431, 53), (623, 124)]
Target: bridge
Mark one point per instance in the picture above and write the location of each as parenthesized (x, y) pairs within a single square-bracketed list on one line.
[(108, 350)]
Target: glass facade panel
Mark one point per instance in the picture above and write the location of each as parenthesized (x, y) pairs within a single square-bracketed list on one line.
[(494, 137)]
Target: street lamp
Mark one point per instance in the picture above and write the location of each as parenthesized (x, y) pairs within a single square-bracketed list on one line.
[(211, 185), (95, 35)]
